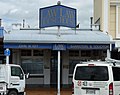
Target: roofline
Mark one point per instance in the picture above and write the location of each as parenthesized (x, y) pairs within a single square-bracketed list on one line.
[(69, 42)]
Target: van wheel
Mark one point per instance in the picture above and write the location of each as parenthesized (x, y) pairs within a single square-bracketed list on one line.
[(12, 92)]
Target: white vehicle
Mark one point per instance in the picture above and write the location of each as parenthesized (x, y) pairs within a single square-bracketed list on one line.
[(12, 80), (96, 78)]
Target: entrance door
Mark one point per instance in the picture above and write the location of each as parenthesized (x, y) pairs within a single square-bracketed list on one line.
[(54, 69)]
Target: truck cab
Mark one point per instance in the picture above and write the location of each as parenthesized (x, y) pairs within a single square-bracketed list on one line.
[(12, 80)]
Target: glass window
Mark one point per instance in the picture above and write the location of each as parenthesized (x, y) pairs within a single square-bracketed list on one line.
[(116, 73), (85, 53), (38, 53), (16, 71), (72, 64), (26, 53), (32, 66), (92, 73), (74, 53)]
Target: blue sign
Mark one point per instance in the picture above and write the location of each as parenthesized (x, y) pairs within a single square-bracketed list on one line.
[(88, 46), (57, 15), (57, 46), (7, 52), (22, 45)]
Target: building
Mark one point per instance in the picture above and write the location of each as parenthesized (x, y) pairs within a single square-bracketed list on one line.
[(37, 52), (107, 14)]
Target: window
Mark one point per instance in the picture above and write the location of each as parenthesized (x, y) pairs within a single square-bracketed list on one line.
[(73, 53), (116, 73), (38, 53), (26, 53), (92, 73), (85, 53), (96, 52), (16, 71), (32, 66), (72, 64)]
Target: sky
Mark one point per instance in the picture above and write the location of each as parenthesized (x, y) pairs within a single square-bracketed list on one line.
[(14, 11)]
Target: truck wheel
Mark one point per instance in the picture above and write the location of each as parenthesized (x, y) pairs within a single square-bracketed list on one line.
[(12, 92)]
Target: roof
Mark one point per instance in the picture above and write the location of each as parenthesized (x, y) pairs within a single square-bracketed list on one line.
[(9, 65), (51, 36)]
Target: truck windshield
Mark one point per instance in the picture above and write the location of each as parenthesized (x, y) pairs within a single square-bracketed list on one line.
[(92, 73)]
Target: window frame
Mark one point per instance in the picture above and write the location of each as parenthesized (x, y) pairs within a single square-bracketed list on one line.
[(21, 75)]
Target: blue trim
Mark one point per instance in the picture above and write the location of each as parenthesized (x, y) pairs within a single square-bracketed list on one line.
[(88, 46), (27, 45), (56, 46)]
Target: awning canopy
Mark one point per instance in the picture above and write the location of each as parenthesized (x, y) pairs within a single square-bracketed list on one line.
[(51, 39), (51, 36)]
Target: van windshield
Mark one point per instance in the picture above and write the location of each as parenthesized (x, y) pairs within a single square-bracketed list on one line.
[(92, 73)]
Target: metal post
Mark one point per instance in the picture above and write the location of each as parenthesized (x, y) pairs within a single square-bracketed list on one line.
[(108, 53), (58, 73), (7, 59)]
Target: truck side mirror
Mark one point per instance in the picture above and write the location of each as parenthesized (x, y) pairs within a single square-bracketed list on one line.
[(27, 75)]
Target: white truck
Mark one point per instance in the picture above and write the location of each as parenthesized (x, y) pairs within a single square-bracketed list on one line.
[(12, 80)]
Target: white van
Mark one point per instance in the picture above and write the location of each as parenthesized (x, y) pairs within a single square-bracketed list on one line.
[(96, 78), (12, 80)]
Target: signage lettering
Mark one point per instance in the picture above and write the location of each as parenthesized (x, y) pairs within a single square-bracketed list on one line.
[(59, 46), (89, 47), (52, 13), (28, 46)]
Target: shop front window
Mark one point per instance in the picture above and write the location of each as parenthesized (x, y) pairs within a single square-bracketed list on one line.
[(38, 53), (73, 53), (72, 64), (32, 66), (85, 53), (26, 53)]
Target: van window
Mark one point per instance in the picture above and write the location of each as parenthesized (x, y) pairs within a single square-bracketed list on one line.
[(92, 73), (116, 73)]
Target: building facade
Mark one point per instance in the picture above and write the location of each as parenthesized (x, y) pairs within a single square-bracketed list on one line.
[(107, 14), (37, 52)]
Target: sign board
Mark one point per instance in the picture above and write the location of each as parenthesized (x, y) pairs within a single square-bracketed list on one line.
[(57, 46), (7, 52), (57, 15)]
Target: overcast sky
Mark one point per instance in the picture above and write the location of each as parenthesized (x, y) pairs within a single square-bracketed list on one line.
[(14, 11)]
